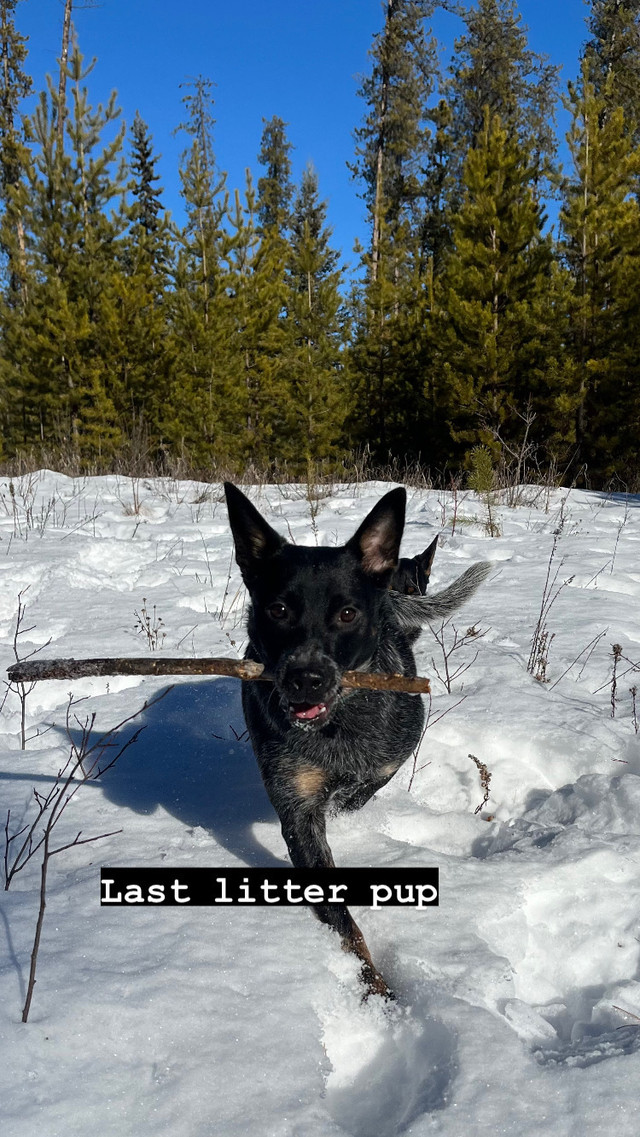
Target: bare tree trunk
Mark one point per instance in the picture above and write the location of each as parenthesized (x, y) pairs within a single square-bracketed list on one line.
[(62, 81), (495, 311), (22, 252), (36, 942), (381, 143), (22, 255), (580, 412), (205, 270)]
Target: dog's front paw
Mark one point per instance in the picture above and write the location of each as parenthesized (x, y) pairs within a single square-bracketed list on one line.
[(374, 984)]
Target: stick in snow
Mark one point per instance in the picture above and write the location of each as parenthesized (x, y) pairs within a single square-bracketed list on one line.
[(35, 670)]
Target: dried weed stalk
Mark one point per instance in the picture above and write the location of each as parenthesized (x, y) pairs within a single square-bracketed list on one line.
[(150, 624), (541, 640), (485, 781), (633, 691), (616, 651)]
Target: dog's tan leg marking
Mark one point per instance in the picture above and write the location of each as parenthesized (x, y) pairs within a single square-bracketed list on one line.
[(309, 780), (390, 769)]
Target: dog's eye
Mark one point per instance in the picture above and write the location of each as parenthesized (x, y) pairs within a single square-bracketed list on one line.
[(277, 611), (411, 590), (347, 615)]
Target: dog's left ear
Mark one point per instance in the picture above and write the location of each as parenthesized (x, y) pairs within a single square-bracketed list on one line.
[(377, 542), (254, 538)]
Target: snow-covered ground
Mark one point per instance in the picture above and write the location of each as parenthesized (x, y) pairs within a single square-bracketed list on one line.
[(519, 997)]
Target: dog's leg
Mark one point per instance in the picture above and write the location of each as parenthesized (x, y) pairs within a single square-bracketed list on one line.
[(302, 817), (360, 795)]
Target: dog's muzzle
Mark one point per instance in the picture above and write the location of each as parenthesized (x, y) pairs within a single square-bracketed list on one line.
[(309, 686)]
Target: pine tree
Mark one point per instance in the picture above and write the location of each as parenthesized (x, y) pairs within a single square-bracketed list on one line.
[(267, 334), (391, 152), (493, 68), (601, 240), (261, 343), (135, 307), (388, 360), (315, 316), (201, 399), (612, 58), (392, 143), (57, 360), (498, 328), (202, 190), (439, 190), (15, 85)]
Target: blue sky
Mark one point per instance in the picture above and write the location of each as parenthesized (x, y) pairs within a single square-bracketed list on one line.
[(299, 59)]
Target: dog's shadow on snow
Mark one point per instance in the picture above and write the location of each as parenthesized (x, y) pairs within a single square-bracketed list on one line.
[(189, 761)]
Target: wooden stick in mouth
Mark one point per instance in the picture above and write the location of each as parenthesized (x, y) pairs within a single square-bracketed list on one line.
[(34, 670)]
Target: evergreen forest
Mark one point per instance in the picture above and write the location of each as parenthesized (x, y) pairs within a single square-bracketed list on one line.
[(237, 341)]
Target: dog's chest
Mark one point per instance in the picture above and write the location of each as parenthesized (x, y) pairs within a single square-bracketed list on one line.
[(371, 731)]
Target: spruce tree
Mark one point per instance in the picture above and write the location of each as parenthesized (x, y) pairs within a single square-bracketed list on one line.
[(143, 165), (275, 188)]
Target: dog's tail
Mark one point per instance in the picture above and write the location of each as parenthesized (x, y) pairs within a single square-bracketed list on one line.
[(413, 612)]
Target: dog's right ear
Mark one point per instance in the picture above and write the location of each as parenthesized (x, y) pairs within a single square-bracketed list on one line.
[(254, 539)]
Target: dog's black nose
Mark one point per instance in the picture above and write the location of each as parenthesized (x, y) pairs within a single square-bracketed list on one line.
[(308, 684)]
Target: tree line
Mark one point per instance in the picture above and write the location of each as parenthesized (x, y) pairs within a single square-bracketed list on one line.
[(238, 339)]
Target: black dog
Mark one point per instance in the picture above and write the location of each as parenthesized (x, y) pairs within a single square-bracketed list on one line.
[(412, 574), (411, 578), (315, 613)]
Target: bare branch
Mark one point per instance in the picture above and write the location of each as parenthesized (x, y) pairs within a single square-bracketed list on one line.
[(459, 640), (428, 723), (51, 806)]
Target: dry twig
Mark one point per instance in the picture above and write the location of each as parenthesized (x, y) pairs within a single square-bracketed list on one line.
[(460, 640), (22, 690), (84, 764)]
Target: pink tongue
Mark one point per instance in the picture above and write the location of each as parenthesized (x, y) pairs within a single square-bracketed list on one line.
[(311, 712)]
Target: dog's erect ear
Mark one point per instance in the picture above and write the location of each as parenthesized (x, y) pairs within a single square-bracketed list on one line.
[(377, 542), (426, 559), (254, 539)]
